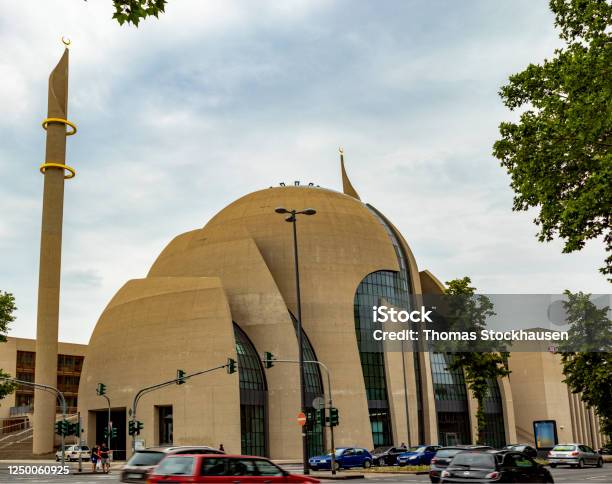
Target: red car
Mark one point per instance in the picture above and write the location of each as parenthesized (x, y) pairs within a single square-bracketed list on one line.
[(220, 468)]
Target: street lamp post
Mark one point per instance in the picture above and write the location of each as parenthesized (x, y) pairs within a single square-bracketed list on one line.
[(293, 219)]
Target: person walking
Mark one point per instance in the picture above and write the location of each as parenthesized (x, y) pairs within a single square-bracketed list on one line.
[(221, 448), (104, 456), (94, 458)]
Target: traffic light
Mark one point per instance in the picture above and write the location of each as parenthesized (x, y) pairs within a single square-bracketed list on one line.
[(63, 427), (113, 433), (334, 417), (310, 417), (268, 360), (59, 428), (73, 428), (134, 427), (180, 377), (101, 390), (321, 416), (231, 365)]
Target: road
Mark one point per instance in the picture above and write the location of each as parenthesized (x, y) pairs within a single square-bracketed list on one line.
[(561, 475)]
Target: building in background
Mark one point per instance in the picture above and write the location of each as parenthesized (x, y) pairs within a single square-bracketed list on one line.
[(17, 358)]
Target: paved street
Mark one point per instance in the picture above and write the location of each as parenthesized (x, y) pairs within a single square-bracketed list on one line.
[(561, 475)]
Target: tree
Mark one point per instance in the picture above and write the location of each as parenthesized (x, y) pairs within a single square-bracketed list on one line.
[(133, 11), (7, 307), (486, 362), (559, 154), (589, 372)]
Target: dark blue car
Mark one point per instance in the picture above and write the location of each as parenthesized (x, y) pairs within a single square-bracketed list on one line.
[(418, 455), (346, 457)]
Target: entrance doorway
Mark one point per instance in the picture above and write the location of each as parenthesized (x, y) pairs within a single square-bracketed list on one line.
[(118, 420), (165, 426)]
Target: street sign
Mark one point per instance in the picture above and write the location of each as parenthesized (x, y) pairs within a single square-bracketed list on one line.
[(318, 403), (301, 419)]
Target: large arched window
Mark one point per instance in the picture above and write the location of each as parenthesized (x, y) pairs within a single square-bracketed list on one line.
[(314, 390), (495, 434), (451, 401), (253, 397)]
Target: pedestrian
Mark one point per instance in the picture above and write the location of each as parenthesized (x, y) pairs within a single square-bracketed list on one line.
[(403, 446), (94, 458), (221, 448), (104, 457)]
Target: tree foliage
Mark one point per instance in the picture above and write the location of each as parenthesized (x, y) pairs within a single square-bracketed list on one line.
[(589, 373), (133, 11), (7, 308), (559, 155), (469, 312)]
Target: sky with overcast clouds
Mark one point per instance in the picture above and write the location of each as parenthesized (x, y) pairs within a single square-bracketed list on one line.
[(216, 99)]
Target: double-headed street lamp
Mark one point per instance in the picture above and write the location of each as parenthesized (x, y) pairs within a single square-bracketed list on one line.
[(293, 219)]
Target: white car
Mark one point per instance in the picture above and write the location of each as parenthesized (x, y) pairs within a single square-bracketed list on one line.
[(72, 453)]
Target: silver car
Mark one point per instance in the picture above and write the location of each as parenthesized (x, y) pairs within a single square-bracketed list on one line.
[(575, 455), (72, 453)]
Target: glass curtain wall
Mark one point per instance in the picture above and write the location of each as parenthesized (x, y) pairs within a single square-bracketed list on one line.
[(495, 434), (253, 397), (313, 383), (451, 401)]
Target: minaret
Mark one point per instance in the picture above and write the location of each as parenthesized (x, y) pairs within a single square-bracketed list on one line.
[(347, 186), (54, 171)]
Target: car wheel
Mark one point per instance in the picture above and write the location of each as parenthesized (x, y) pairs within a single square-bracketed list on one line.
[(367, 464), (600, 463), (336, 466), (580, 464)]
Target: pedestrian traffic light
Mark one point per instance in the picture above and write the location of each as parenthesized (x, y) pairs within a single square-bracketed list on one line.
[(231, 365), (180, 377), (310, 417), (101, 390), (139, 426), (113, 433), (268, 360), (132, 427), (334, 417)]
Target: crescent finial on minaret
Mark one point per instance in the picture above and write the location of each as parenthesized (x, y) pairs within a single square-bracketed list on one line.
[(347, 186)]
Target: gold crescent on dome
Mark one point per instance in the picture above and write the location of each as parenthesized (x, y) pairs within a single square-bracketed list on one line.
[(66, 41)]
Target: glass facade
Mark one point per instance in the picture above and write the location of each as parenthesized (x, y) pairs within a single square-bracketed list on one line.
[(495, 434), (313, 384), (375, 287), (253, 397), (451, 401)]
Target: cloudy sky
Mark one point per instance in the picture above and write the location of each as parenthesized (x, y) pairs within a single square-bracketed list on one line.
[(220, 98)]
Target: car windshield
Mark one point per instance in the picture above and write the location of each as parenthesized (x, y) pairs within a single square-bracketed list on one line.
[(176, 466), (474, 459), (447, 452), (339, 452), (380, 450), (145, 458), (564, 448), (416, 449)]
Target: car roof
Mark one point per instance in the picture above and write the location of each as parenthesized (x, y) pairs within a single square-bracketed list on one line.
[(221, 456), (173, 448)]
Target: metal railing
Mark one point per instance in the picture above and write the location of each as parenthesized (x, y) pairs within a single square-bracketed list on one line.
[(20, 411)]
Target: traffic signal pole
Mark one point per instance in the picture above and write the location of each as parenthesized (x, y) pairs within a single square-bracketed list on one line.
[(271, 360), (231, 365), (50, 389)]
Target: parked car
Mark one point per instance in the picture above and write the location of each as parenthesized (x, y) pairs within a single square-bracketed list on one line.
[(417, 455), (494, 466), (72, 453), (196, 468), (444, 456), (144, 461), (526, 449), (386, 456), (575, 455), (606, 449), (346, 457)]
